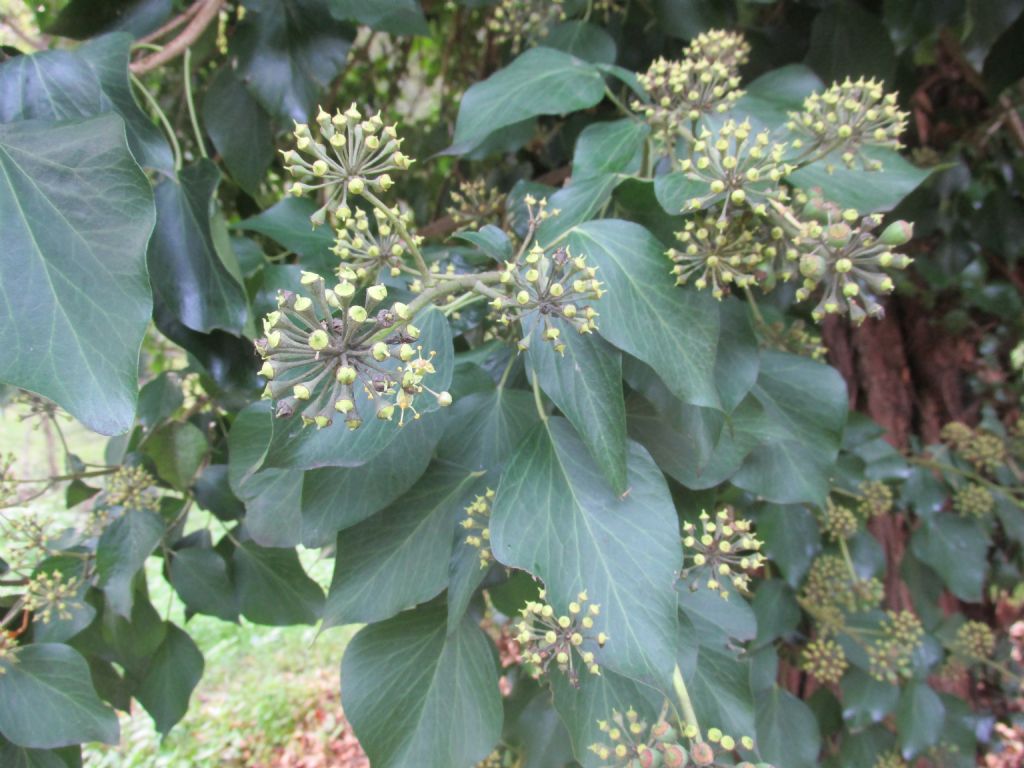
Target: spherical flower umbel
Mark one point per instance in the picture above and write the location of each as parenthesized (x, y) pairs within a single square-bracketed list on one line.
[(876, 499), (475, 203), (831, 588), (477, 526), (717, 252), (131, 488), (524, 21), (974, 641), (368, 250), (326, 355), (739, 168), (825, 660), (565, 640), (722, 46), (349, 155), (722, 552), (973, 500), (49, 595), (838, 522), (847, 117), (890, 656)]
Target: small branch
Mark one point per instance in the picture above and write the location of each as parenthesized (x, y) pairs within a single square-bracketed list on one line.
[(176, 47), (171, 25)]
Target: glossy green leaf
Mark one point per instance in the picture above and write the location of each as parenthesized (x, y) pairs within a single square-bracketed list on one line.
[(791, 540), (288, 52), (485, 427), (177, 450), (537, 734), (417, 695), (287, 223), (674, 330), (173, 674), (720, 689), (47, 700), (399, 557), (74, 296), (778, 614), (585, 382), (920, 716), (787, 731), (399, 17), (239, 129), (847, 40), (541, 81), (580, 201), (12, 756), (121, 552), (768, 100), (957, 549), (491, 240), (866, 700), (158, 399), (200, 577), (583, 40), (188, 276), (86, 82), (555, 517), (874, 191), (718, 622), (273, 588), (675, 190)]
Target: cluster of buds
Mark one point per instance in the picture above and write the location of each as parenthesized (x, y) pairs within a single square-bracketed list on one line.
[(974, 641), (739, 167), (476, 203), (501, 757), (631, 743), (8, 486), (890, 656), (722, 46), (724, 551), (849, 260), (524, 21), (131, 488), (973, 500), (565, 640), (477, 526), (889, 759), (49, 595), (825, 660), (368, 251), (876, 499), (796, 338), (28, 537), (847, 117), (322, 365), (984, 450), (544, 288), (831, 587), (838, 522), (350, 155)]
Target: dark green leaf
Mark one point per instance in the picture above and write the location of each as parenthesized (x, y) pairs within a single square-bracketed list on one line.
[(875, 191), (273, 588), (399, 557), (585, 382), (417, 695), (239, 128), (674, 330), (491, 240), (173, 674), (919, 719), (399, 17), (213, 493), (791, 540), (768, 100), (188, 276), (200, 577), (177, 450), (957, 549), (1003, 64), (778, 614), (81, 19), (675, 190), (866, 700), (287, 223), (787, 731), (47, 700), (158, 399), (121, 552), (720, 688), (288, 52), (716, 620), (537, 734), (555, 517), (583, 39), (74, 296), (20, 757), (582, 200), (541, 81), (847, 40)]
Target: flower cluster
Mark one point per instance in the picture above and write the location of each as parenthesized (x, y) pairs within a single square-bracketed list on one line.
[(876, 499), (524, 21), (368, 251), (984, 450), (890, 656), (832, 588), (847, 117), (476, 524), (722, 552), (48, 595), (889, 759), (973, 500), (631, 742), (322, 364), (546, 288), (566, 640), (350, 155), (739, 167), (974, 641), (825, 660), (475, 203), (131, 488), (8, 487), (838, 522), (848, 260)]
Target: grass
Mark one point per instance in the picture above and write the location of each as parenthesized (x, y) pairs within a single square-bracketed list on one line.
[(260, 683)]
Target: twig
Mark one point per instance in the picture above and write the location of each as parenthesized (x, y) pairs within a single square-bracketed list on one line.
[(200, 21), (171, 25)]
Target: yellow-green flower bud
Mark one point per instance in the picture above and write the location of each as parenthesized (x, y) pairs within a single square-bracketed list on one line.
[(380, 352), (319, 339)]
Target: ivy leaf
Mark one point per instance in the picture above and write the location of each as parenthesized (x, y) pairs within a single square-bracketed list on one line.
[(555, 517), (188, 276), (720, 688), (957, 549), (791, 540), (787, 731), (849, 41), (173, 674), (287, 223), (768, 100), (47, 700), (866, 700), (580, 201), (121, 552), (583, 39), (273, 589), (74, 295), (541, 81), (417, 695), (491, 240), (485, 427), (674, 191), (177, 451), (239, 129), (288, 52), (920, 716), (12, 756), (399, 557), (672, 329), (399, 17), (200, 577), (612, 147), (86, 82), (585, 382)]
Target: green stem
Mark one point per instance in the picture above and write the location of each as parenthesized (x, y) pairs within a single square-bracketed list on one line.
[(850, 494), (537, 400), (191, 103), (849, 560), (679, 685), (465, 301), (617, 102), (753, 307), (151, 100), (399, 224), (508, 370), (1007, 491)]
